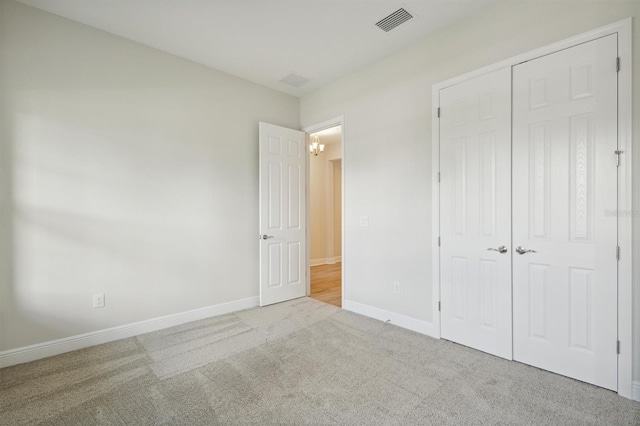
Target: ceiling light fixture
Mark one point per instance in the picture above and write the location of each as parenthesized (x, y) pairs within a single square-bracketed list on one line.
[(316, 147)]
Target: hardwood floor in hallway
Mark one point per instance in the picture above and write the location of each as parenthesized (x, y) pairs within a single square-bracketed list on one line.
[(326, 283)]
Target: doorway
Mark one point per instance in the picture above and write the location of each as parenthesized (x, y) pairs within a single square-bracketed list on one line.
[(325, 215)]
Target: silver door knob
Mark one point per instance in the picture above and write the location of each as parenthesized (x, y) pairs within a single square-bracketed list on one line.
[(501, 249), (522, 250), (266, 237)]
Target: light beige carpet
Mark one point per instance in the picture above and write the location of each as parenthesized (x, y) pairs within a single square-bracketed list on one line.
[(297, 362)]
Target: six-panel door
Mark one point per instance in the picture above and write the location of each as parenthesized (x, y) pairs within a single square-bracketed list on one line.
[(564, 182), (282, 214), (563, 243), (475, 219)]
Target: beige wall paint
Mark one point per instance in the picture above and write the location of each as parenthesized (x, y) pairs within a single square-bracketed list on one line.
[(317, 217), (388, 115), (124, 170), (337, 207), (324, 236)]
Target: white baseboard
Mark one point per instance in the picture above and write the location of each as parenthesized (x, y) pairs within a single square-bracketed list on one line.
[(636, 391), (413, 324), (67, 344), (325, 261)]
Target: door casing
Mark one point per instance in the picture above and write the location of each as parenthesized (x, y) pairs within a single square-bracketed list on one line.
[(623, 30)]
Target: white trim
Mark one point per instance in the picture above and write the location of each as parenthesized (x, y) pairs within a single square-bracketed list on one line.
[(327, 124), (435, 202), (623, 30), (636, 391), (409, 323), (317, 262), (625, 205), (67, 344), (325, 261), (336, 121)]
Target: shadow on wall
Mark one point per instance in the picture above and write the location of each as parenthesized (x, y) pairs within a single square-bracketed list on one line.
[(83, 215), (125, 171), (8, 294), (12, 311)]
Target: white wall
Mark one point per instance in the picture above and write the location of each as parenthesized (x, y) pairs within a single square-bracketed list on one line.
[(124, 170), (387, 134)]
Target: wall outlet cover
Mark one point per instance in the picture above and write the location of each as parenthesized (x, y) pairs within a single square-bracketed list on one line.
[(98, 300)]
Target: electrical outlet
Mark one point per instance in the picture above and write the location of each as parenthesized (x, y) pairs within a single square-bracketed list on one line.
[(98, 300), (396, 287), (364, 221)]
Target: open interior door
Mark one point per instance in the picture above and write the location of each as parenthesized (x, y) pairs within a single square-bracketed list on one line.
[(283, 244)]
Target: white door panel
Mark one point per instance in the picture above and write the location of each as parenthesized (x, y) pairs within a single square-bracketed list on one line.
[(475, 188), (282, 214), (564, 178)]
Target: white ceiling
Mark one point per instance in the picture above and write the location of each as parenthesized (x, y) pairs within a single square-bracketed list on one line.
[(265, 40)]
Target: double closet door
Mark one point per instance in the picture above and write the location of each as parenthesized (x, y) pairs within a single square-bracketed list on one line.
[(528, 256)]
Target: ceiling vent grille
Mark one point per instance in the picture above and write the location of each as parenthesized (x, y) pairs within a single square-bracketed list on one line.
[(398, 17), (295, 80)]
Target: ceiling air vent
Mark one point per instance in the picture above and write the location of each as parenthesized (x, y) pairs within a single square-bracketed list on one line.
[(395, 19), (294, 80)]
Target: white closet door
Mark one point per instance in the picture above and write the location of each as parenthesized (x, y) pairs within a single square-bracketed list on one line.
[(475, 188), (564, 180)]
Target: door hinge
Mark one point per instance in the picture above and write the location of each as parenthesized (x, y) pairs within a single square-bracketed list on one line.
[(438, 112), (438, 241), (438, 306), (618, 157), (438, 176), (617, 252), (618, 64), (618, 347)]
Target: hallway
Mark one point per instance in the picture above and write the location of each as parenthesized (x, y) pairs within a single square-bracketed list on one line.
[(326, 283)]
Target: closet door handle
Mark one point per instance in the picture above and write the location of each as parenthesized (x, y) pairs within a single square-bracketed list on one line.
[(522, 250), (501, 249)]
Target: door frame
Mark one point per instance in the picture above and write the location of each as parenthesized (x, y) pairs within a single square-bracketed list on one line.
[(623, 30), (332, 122)]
